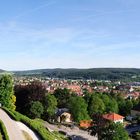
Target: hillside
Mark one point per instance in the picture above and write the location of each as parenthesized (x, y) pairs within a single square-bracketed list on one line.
[(1, 71), (93, 73)]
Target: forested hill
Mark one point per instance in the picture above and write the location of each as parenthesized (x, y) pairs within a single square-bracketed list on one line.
[(93, 73), (1, 71)]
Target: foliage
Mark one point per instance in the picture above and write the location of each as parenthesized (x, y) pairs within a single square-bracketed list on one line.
[(101, 103), (107, 130), (99, 124), (78, 108), (1, 136), (87, 97), (36, 109), (37, 91), (114, 131), (62, 96), (96, 105), (50, 105), (4, 131), (124, 105), (28, 93), (124, 74), (112, 106), (7, 98), (22, 101)]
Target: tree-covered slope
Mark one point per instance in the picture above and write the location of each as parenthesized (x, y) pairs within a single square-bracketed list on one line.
[(93, 73)]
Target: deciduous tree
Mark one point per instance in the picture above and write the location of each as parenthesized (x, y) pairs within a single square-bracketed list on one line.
[(7, 97), (36, 109), (96, 105), (78, 108), (50, 105)]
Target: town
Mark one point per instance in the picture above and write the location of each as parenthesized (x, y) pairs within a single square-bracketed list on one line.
[(79, 87), (125, 109)]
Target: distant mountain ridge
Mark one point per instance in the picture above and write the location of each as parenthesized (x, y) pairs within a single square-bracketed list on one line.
[(1, 71), (92, 73)]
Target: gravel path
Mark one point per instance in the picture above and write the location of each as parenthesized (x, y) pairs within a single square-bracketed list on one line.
[(29, 131), (13, 130)]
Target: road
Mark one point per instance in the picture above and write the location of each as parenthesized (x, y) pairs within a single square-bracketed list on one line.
[(75, 131), (13, 130)]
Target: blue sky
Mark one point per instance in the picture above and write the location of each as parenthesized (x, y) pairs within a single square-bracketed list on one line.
[(38, 34)]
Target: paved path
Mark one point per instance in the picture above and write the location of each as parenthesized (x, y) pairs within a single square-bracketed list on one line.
[(13, 130), (29, 131), (69, 131)]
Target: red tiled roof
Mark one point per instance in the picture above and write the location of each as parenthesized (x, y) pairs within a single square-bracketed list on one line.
[(113, 116), (86, 123)]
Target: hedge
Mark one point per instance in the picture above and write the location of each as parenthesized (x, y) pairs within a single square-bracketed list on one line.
[(4, 131)]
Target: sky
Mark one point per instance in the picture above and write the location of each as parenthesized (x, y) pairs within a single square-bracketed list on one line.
[(38, 34)]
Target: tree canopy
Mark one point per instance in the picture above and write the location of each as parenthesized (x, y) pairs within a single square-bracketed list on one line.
[(7, 97), (50, 105), (107, 130), (114, 131), (78, 108), (96, 105), (36, 109), (62, 96)]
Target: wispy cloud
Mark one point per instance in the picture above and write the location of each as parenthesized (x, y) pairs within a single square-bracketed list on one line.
[(32, 10), (103, 13)]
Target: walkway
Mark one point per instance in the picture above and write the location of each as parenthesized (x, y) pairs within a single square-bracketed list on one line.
[(12, 128)]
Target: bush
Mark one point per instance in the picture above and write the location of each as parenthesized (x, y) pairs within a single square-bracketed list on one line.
[(36, 109)]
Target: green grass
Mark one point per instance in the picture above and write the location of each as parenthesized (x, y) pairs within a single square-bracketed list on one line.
[(35, 125), (4, 134)]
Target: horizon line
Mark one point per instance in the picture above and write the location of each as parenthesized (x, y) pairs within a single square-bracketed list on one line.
[(73, 68)]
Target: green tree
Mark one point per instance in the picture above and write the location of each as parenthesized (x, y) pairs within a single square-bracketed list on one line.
[(121, 104), (36, 109), (114, 131), (50, 105), (78, 108), (125, 106), (128, 107), (112, 106), (107, 130), (96, 105), (87, 97), (7, 98), (62, 96)]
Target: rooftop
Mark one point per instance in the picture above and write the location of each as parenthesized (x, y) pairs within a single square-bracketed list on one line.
[(113, 116)]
